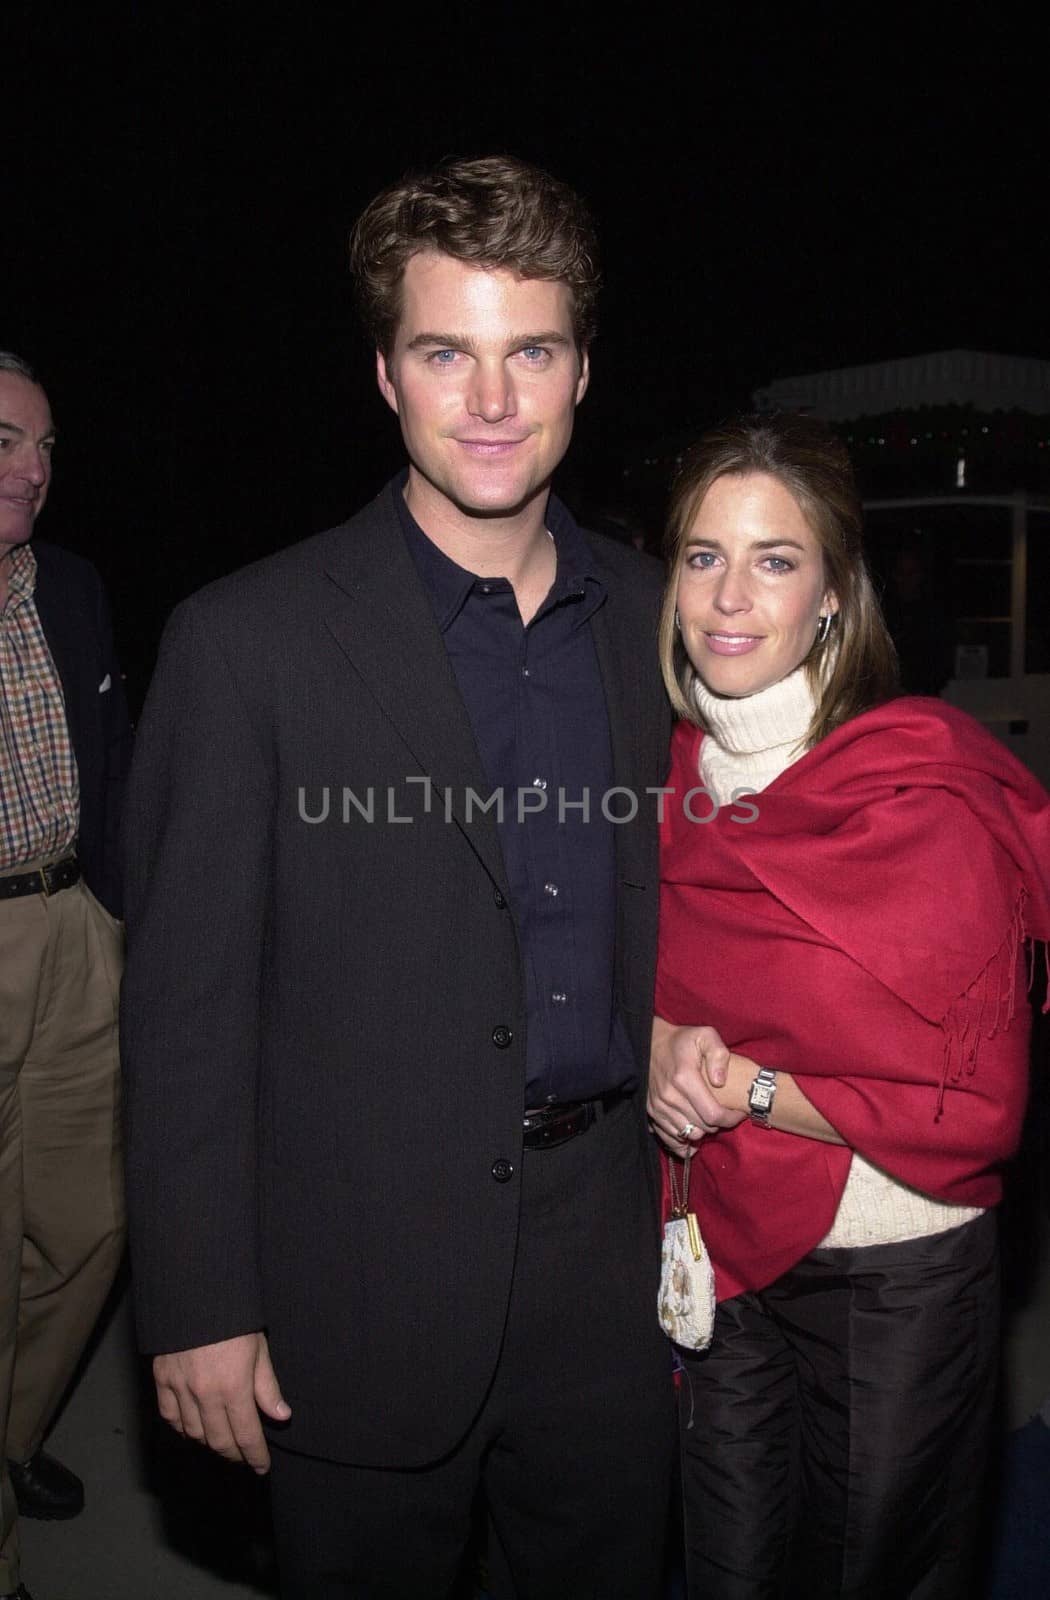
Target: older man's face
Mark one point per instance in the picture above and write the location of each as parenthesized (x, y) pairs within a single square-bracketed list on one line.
[(27, 435)]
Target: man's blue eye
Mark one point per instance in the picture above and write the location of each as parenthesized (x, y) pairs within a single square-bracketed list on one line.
[(444, 358)]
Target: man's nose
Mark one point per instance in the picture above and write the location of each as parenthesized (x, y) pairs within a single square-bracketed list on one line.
[(492, 394), (32, 466)]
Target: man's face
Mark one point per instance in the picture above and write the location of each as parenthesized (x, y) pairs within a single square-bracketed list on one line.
[(485, 378), (26, 438)]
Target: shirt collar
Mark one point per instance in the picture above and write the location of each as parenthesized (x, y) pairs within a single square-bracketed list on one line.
[(448, 584), (21, 577)]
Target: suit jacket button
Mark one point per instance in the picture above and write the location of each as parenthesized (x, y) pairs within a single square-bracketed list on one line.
[(503, 1170), (500, 898), (501, 1036)]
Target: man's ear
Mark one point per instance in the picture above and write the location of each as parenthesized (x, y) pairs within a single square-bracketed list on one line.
[(386, 384), (585, 376)]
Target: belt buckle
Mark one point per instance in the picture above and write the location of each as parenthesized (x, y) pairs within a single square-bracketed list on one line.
[(556, 1125), (45, 887)]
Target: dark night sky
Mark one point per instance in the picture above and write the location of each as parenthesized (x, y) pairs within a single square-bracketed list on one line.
[(778, 189)]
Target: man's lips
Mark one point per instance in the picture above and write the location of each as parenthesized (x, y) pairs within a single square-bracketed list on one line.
[(491, 447)]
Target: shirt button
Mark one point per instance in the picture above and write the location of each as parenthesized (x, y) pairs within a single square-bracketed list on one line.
[(525, 672), (502, 1170), (559, 997), (500, 898), (501, 1036), (551, 889), (539, 783)]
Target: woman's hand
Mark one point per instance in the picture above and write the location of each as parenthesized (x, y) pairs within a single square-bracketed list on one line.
[(696, 1083)]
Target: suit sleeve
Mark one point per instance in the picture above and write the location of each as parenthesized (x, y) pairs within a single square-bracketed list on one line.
[(197, 835)]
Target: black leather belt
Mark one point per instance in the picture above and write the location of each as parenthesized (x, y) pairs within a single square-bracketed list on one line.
[(554, 1125), (42, 880)]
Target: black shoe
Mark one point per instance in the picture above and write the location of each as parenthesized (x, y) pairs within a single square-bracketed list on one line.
[(46, 1489)]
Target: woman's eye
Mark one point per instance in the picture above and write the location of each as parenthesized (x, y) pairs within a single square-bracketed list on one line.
[(702, 559)]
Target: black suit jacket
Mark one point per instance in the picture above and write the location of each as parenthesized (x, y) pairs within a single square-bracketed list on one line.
[(74, 615), (324, 1020)]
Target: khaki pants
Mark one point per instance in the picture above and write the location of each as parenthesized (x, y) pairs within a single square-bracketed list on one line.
[(61, 1191)]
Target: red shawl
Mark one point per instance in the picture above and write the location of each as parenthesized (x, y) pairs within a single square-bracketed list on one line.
[(867, 933)]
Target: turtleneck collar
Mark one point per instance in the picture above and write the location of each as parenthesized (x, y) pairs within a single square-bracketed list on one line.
[(751, 740)]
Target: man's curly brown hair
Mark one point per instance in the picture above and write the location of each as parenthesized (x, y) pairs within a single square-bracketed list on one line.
[(495, 212)]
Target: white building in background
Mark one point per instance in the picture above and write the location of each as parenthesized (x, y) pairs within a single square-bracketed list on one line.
[(986, 556), (943, 378)]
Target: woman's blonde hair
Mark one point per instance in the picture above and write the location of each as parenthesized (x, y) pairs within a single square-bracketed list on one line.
[(855, 666)]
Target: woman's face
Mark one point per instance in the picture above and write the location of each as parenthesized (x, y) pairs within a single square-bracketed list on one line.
[(751, 588)]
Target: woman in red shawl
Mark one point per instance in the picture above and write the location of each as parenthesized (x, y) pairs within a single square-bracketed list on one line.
[(850, 884)]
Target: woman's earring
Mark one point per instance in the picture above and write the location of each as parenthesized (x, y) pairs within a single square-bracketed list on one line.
[(677, 620), (823, 627)]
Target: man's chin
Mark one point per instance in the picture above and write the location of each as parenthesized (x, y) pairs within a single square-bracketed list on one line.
[(490, 498), (12, 537), (496, 501)]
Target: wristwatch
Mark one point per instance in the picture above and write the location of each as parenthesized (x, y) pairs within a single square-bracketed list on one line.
[(760, 1097)]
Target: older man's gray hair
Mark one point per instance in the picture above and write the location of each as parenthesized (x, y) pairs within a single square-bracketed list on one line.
[(9, 362)]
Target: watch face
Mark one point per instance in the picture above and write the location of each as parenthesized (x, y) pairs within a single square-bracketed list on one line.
[(761, 1094)]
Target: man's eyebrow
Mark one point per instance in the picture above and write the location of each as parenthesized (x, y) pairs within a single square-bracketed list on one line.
[(12, 427), (463, 341)]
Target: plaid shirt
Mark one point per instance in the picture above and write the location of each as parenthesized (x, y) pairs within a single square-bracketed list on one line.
[(39, 784)]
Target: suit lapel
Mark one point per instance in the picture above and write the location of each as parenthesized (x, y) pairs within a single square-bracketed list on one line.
[(58, 619), (619, 630), (616, 648), (382, 620)]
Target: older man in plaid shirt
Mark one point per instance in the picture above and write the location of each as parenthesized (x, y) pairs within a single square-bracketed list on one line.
[(64, 740)]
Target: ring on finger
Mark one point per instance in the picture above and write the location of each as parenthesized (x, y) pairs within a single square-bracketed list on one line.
[(683, 1133)]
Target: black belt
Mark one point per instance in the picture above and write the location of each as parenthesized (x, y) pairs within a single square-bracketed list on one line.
[(42, 880), (554, 1125)]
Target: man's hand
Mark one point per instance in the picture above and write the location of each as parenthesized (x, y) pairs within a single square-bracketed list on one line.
[(692, 1075), (214, 1394)]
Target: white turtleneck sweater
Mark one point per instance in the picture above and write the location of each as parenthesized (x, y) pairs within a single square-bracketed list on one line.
[(748, 743)]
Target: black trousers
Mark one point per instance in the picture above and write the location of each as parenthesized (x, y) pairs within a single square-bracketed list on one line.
[(574, 1445), (834, 1437)]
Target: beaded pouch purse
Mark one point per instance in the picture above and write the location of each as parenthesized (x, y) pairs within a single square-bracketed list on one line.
[(686, 1301)]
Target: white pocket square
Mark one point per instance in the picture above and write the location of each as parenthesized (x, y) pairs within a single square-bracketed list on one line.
[(107, 683)]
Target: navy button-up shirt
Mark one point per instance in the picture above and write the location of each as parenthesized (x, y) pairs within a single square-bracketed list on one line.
[(536, 704)]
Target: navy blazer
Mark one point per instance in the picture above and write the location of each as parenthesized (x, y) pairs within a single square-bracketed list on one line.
[(323, 1018), (74, 614)]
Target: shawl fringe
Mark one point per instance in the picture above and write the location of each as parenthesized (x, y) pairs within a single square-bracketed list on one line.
[(989, 1004)]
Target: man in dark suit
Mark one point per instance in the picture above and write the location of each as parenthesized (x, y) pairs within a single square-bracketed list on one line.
[(392, 909), (64, 740)]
